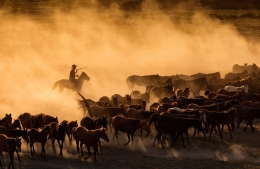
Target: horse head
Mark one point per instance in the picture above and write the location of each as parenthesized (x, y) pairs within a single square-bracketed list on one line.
[(84, 76), (145, 126), (103, 134), (8, 118), (187, 91)]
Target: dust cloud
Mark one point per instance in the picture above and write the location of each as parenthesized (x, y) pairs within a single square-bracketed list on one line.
[(35, 52)]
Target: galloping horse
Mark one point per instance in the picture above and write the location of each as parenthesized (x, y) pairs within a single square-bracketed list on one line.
[(64, 83), (185, 92)]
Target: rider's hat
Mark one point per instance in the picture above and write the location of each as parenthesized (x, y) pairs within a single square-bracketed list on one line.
[(74, 66)]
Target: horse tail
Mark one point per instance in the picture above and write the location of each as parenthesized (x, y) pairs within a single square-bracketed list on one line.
[(55, 85)]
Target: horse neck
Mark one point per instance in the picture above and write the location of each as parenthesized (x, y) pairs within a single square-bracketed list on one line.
[(4, 122), (44, 132)]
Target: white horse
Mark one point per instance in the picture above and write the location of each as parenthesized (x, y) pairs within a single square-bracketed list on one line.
[(237, 89)]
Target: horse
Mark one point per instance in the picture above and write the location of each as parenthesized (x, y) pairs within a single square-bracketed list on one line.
[(89, 138), (16, 124), (143, 80), (185, 92), (6, 121), (128, 125), (15, 133), (159, 92), (243, 88), (195, 85), (71, 125), (92, 124), (9, 145), (58, 133), (47, 119), (40, 137), (29, 121), (168, 81), (65, 83)]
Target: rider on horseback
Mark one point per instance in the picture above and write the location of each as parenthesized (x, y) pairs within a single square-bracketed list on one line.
[(73, 75)]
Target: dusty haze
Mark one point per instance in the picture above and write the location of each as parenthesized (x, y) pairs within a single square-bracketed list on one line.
[(112, 44)]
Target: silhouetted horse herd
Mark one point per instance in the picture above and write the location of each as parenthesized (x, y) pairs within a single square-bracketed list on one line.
[(165, 108)]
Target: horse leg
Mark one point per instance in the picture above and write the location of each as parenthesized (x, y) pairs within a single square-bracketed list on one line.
[(128, 136), (211, 129), (247, 125), (32, 148), (187, 136), (100, 147), (195, 129), (182, 139), (43, 151), (17, 154), (61, 146), (95, 152), (53, 148), (220, 133), (88, 147), (77, 144), (81, 150), (11, 163), (132, 137), (222, 129), (116, 134), (230, 133), (155, 138), (238, 122), (2, 154)]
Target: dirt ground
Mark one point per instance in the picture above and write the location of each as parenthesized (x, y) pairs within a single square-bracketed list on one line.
[(240, 152)]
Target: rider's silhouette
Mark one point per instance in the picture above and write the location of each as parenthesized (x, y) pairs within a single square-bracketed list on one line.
[(73, 75)]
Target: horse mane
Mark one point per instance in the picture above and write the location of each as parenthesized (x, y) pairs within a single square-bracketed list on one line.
[(45, 128)]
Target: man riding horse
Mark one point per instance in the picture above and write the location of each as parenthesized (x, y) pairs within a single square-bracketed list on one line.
[(73, 75)]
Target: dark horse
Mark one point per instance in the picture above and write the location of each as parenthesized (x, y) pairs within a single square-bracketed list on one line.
[(59, 132), (65, 83), (40, 137), (185, 92), (144, 80), (6, 121), (195, 85)]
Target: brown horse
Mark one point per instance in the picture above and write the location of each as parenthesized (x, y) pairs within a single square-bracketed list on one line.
[(58, 133), (185, 92), (195, 85), (29, 121), (40, 137), (16, 124), (6, 121), (47, 119), (91, 124), (71, 125), (64, 83), (89, 138), (9, 145), (129, 126)]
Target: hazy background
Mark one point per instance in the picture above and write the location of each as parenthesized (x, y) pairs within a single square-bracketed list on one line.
[(38, 49)]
